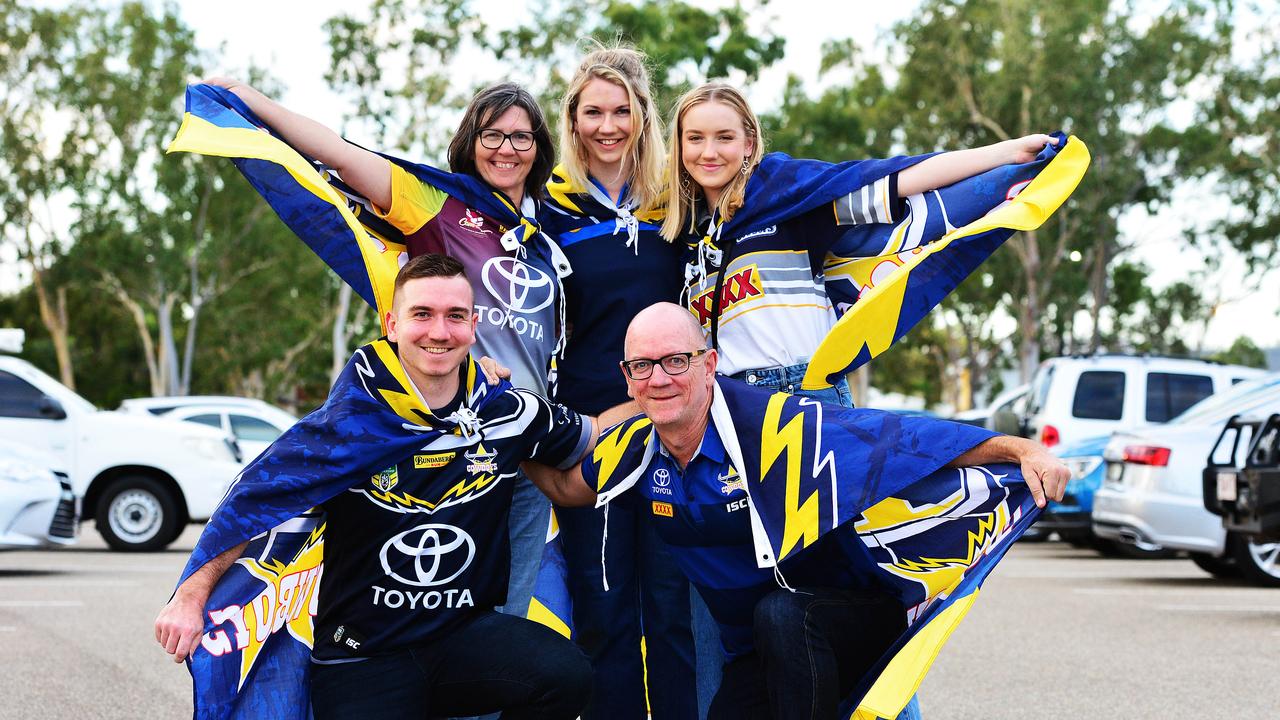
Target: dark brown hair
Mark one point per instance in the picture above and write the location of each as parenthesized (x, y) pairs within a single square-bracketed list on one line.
[(486, 107), (429, 265)]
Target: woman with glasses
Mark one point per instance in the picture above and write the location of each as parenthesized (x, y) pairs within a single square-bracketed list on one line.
[(602, 207), (503, 141)]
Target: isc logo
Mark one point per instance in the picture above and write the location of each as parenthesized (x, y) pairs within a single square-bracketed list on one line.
[(742, 286)]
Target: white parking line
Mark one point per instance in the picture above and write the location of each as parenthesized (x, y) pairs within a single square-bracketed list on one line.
[(105, 567), (1221, 608), (40, 603), (7, 628), (68, 583), (1165, 592)]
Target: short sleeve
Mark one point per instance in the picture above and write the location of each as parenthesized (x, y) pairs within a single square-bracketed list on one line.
[(874, 203), (413, 202), (559, 436)]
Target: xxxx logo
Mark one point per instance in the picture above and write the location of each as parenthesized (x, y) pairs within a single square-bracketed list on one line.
[(742, 286)]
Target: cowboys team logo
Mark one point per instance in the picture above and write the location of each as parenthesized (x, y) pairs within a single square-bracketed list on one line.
[(473, 222), (481, 461), (730, 482), (428, 555), (386, 479), (519, 286)]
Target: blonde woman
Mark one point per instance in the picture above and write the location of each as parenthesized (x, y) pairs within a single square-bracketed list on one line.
[(603, 208), (771, 221)]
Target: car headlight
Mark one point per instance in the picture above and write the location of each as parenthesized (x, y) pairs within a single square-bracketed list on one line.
[(1082, 467), (211, 448), (25, 472)]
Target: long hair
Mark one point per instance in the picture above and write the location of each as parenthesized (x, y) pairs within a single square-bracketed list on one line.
[(624, 67), (682, 192), (485, 108)]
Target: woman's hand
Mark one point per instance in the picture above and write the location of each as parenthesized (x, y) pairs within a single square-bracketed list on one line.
[(224, 82), (1025, 149)]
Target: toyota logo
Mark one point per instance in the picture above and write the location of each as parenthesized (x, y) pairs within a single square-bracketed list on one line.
[(661, 477), (428, 554), (521, 287)]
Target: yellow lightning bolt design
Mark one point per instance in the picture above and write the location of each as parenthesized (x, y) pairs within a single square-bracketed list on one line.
[(403, 402), (308, 558), (609, 449), (940, 574), (801, 520), (462, 488)]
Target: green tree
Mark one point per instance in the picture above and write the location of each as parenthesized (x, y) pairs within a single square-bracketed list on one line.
[(1242, 352)]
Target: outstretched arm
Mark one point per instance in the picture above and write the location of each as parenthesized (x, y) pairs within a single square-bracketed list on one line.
[(947, 168), (368, 173), (1044, 474), (566, 488), (181, 622)]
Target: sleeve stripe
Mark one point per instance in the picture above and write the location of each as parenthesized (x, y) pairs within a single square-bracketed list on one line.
[(868, 204)]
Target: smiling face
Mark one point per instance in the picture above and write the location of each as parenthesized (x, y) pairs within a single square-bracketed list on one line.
[(602, 125), (433, 323), (506, 168), (713, 145), (675, 403)]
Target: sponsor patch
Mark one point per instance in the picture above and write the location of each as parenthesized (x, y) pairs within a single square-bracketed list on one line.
[(473, 222), (434, 460), (663, 509), (730, 482), (741, 287)]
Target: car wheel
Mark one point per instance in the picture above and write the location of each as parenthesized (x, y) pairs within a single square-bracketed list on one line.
[(138, 514), (1259, 562), (1219, 567)]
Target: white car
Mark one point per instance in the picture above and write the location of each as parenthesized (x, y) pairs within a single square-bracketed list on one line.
[(253, 430), (1078, 397), (37, 507), (1152, 493), (141, 478)]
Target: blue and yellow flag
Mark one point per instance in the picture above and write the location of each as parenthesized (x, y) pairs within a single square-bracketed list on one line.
[(331, 218), (884, 279), (254, 657), (932, 534)]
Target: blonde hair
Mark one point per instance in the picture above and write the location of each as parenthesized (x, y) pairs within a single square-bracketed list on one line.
[(682, 192), (624, 67)]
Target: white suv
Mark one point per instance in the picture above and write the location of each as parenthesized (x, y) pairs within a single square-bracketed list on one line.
[(1073, 398), (141, 478)]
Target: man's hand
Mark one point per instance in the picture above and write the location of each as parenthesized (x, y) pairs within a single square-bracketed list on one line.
[(1025, 149), (1044, 474), (180, 625)]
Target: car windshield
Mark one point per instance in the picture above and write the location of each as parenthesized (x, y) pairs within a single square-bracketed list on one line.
[(1236, 399)]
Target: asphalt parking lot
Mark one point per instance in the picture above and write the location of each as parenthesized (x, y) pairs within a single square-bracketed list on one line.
[(1058, 633)]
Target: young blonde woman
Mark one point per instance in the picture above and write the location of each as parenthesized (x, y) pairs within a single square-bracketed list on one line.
[(602, 207), (758, 228)]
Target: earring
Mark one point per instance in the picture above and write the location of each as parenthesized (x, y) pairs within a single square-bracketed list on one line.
[(746, 165)]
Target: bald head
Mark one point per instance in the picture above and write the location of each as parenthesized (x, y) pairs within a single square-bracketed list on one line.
[(663, 321)]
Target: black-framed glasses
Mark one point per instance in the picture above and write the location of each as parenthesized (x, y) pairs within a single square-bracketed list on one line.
[(673, 364), (493, 139)]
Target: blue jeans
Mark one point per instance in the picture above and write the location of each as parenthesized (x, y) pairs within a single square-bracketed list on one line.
[(813, 647), (530, 515), (787, 379), (647, 595), (492, 662)]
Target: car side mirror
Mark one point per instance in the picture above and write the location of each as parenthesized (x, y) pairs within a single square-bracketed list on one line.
[(50, 409), (1007, 422)]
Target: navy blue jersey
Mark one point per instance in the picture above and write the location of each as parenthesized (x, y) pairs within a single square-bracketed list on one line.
[(621, 265), (701, 514), (418, 547)]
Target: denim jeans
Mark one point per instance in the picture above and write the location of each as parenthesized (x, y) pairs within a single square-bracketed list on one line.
[(787, 379), (812, 648), (530, 514), (492, 662), (647, 594)]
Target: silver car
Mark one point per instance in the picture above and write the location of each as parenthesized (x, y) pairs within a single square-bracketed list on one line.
[(1151, 495), (37, 507)]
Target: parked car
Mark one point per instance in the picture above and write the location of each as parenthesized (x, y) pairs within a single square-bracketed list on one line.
[(1152, 492), (37, 507), (1077, 397), (1246, 495), (253, 424), (1001, 414), (141, 478)]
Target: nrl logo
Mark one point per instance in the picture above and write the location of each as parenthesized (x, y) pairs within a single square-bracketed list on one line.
[(473, 222), (386, 479), (730, 482), (481, 461)]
